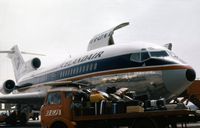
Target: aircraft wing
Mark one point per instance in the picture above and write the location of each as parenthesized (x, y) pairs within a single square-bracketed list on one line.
[(33, 97), (23, 98)]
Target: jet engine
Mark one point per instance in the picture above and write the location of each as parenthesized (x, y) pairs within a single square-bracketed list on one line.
[(35, 63), (8, 86)]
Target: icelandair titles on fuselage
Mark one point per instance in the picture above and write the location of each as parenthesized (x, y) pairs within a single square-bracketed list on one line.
[(84, 58)]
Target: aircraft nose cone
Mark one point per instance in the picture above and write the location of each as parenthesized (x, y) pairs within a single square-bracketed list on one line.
[(176, 81), (190, 75)]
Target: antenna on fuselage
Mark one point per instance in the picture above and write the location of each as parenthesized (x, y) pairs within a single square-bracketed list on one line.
[(168, 46)]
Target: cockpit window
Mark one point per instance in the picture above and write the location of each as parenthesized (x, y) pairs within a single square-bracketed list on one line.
[(158, 54), (144, 55), (135, 57), (171, 53), (139, 57)]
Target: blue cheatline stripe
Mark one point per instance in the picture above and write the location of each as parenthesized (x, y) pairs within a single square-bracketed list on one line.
[(113, 63)]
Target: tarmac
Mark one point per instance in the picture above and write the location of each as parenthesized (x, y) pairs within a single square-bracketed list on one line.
[(36, 124), (30, 124)]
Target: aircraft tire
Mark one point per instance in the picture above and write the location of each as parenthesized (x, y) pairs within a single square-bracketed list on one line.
[(11, 119), (23, 118)]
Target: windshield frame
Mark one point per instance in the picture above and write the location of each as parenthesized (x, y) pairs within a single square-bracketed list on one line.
[(151, 52), (139, 59)]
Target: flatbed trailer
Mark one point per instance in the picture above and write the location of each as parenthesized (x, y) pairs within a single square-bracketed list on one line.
[(61, 115), (150, 119)]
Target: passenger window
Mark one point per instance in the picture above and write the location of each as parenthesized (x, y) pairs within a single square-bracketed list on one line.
[(73, 71), (95, 66), (76, 70), (91, 66), (70, 71), (54, 98), (135, 57), (67, 72), (87, 67), (83, 68), (80, 70), (61, 74)]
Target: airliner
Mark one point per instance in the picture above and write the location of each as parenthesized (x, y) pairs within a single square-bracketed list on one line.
[(146, 68)]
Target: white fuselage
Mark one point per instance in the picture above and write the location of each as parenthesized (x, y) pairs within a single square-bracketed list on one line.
[(147, 69)]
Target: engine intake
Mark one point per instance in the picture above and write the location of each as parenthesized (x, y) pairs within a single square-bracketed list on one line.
[(36, 63), (8, 86)]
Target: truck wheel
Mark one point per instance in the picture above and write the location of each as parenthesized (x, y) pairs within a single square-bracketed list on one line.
[(58, 125), (144, 123)]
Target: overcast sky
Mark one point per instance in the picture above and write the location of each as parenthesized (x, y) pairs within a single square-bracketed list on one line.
[(58, 28)]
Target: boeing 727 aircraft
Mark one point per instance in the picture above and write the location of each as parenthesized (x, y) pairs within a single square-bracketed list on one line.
[(145, 68)]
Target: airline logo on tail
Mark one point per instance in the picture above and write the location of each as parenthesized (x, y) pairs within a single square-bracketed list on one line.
[(19, 65)]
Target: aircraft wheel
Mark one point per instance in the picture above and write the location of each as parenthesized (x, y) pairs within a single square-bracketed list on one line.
[(11, 119), (23, 118)]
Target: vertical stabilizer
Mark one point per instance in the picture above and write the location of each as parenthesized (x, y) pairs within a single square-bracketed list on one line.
[(19, 65), (17, 61), (105, 38)]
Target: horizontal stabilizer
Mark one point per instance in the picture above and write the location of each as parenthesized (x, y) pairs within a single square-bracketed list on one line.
[(29, 53), (105, 38)]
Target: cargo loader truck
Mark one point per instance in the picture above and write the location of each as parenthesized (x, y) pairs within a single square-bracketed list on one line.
[(72, 107)]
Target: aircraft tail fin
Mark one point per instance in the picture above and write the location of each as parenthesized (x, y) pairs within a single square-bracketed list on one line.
[(105, 38), (19, 65), (17, 60)]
